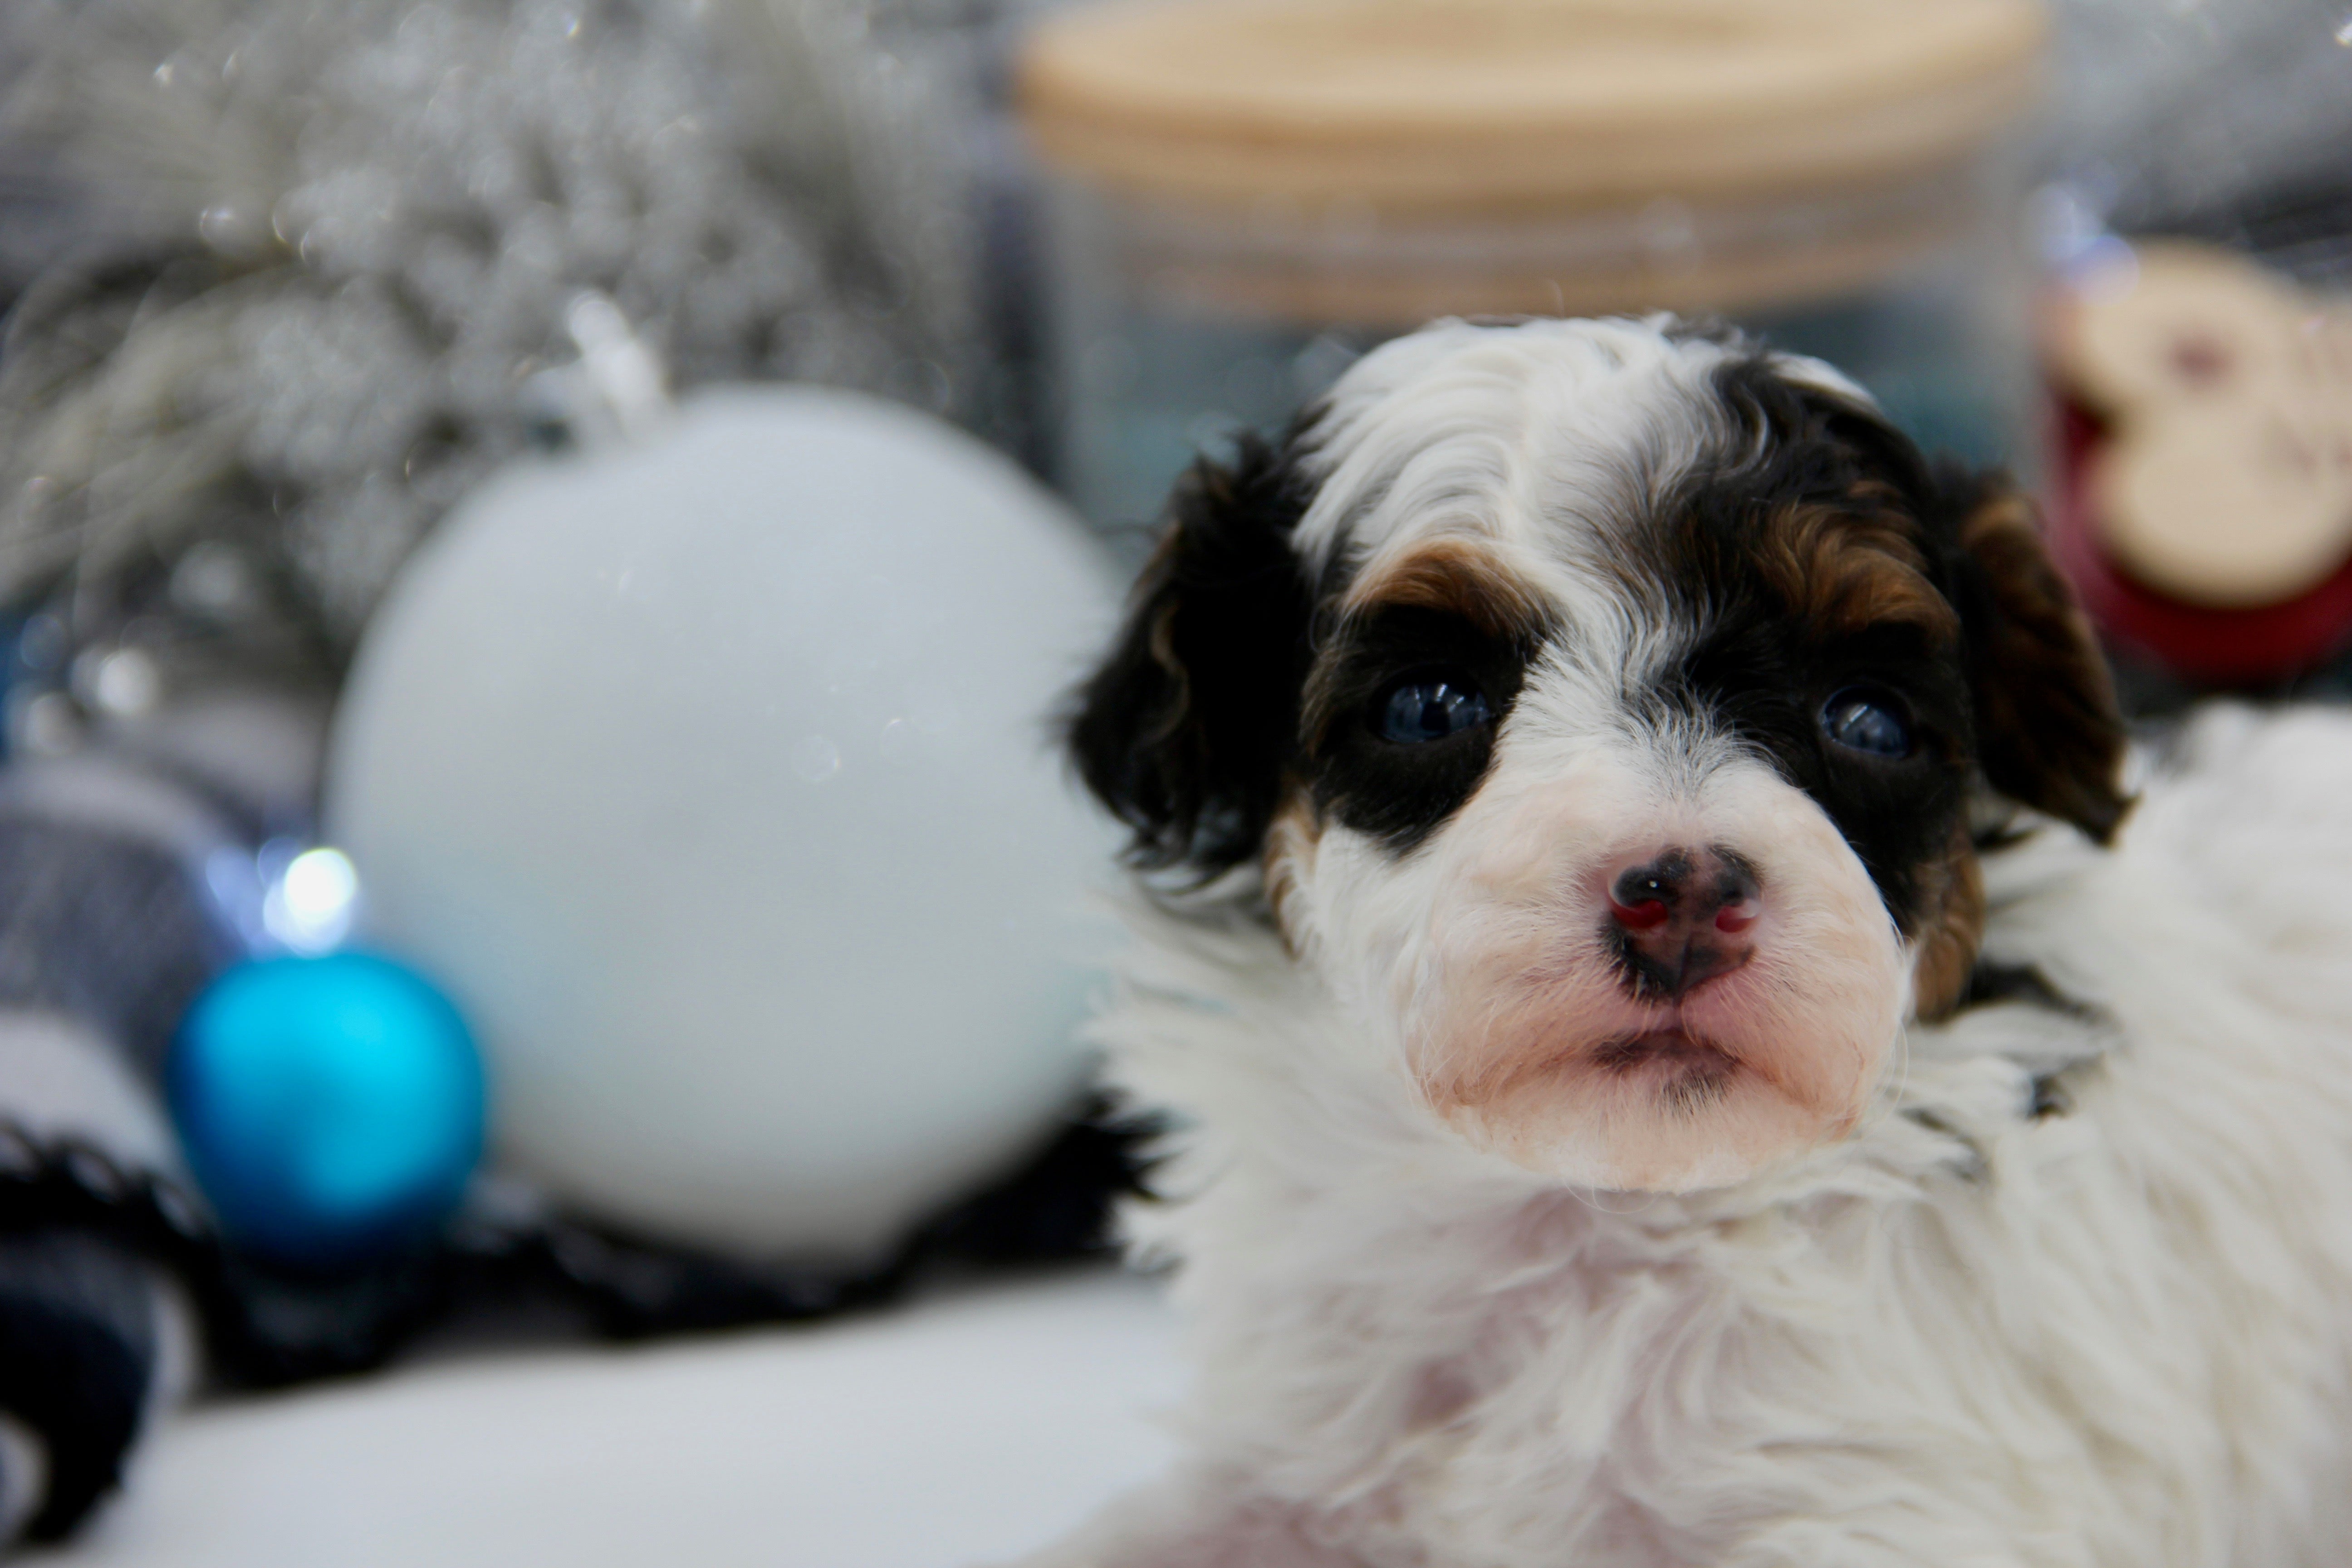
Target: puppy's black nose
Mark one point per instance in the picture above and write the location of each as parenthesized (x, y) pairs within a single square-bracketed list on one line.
[(1681, 918)]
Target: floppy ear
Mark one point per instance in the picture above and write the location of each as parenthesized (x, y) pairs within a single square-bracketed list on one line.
[(2049, 733), (1186, 728)]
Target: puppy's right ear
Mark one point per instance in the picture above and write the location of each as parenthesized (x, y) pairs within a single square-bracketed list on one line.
[(1186, 729), (2049, 732)]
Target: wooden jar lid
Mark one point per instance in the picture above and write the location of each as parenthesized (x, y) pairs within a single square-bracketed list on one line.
[(1438, 105)]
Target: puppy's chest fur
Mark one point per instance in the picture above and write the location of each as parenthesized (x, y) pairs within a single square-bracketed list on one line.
[(2079, 1292)]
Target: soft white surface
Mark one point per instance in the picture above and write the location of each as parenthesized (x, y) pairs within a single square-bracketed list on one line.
[(713, 777), (965, 1429)]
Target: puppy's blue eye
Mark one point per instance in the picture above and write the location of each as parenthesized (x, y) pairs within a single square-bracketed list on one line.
[(1863, 720), (1431, 708)]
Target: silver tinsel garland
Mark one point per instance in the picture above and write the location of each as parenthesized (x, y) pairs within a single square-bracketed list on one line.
[(341, 238)]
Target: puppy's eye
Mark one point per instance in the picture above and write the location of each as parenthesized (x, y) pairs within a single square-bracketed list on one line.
[(1864, 718), (1430, 708)]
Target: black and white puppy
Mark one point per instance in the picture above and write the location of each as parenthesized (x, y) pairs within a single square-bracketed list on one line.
[(1679, 1055)]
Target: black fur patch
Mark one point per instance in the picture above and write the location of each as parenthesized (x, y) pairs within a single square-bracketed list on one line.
[(1187, 729), (1897, 814), (1765, 670), (1991, 984), (1401, 793)]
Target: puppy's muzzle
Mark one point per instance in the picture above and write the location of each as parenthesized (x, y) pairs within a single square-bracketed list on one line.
[(1652, 992), (1681, 918)]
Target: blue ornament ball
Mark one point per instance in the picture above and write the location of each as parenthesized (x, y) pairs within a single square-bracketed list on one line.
[(332, 1109)]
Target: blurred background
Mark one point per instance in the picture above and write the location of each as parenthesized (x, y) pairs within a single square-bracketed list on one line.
[(541, 543)]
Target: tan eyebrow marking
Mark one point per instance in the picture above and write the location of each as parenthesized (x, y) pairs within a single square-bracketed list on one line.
[(1458, 575), (1844, 569), (1454, 576)]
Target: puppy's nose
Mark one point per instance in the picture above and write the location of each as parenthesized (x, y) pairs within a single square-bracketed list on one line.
[(1681, 918)]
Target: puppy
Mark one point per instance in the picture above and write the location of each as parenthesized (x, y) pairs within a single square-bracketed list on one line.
[(1682, 1049)]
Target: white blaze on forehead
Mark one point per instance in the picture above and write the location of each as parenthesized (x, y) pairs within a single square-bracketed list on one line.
[(1544, 440), (1507, 433)]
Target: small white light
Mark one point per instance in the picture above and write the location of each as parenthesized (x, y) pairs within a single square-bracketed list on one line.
[(320, 883), (127, 683), (311, 908)]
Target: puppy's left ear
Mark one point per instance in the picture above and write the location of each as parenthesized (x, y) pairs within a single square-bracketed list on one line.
[(2049, 733)]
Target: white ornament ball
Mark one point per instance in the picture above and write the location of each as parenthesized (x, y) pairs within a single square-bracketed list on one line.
[(713, 777)]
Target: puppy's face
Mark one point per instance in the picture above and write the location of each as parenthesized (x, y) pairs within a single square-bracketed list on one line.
[(1603, 703)]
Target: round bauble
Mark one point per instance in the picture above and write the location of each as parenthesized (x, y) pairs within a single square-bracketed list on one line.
[(715, 773), (332, 1109)]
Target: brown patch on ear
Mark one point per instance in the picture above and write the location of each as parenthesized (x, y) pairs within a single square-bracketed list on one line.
[(1843, 568), (1453, 575), (2048, 732), (1951, 930), (1290, 837)]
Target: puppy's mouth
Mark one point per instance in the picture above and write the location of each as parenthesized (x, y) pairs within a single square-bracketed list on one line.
[(1686, 1071)]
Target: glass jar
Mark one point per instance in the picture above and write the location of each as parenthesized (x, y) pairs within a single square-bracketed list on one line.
[(1244, 195)]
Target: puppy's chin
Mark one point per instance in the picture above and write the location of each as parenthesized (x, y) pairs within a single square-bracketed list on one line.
[(1663, 1110)]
